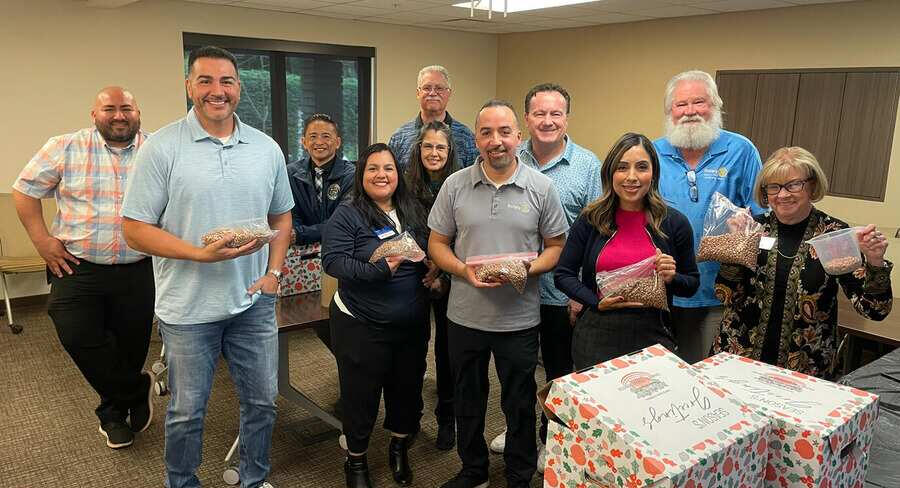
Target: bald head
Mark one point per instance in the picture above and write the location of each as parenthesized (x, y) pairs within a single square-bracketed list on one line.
[(116, 115)]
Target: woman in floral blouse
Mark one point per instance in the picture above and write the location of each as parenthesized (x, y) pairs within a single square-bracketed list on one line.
[(784, 312)]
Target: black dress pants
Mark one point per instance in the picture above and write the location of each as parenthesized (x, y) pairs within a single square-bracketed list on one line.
[(556, 348), (601, 336), (373, 359), (444, 408), (515, 357), (103, 316)]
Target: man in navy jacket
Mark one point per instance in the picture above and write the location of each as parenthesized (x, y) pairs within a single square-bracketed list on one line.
[(321, 181)]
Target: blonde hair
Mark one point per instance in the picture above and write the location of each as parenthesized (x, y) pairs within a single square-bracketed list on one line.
[(781, 162)]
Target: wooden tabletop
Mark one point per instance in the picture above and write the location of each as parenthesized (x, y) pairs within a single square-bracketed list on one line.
[(299, 311), (887, 331)]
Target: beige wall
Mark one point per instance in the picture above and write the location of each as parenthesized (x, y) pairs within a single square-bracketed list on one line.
[(617, 73), (59, 53)]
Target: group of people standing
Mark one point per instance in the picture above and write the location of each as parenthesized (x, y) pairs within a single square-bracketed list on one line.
[(460, 194)]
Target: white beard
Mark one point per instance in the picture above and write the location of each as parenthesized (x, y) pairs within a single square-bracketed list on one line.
[(695, 136)]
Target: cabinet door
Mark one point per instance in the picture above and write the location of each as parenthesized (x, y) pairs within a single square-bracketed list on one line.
[(738, 92), (773, 118), (818, 116), (866, 134)]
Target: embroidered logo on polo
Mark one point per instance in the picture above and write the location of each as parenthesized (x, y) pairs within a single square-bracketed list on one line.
[(333, 191), (523, 207)]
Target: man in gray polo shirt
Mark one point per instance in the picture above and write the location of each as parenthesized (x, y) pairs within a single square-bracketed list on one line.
[(496, 206)]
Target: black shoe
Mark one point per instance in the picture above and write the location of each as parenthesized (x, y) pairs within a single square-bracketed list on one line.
[(357, 471), (465, 481), (141, 415), (398, 459), (446, 437), (117, 433)]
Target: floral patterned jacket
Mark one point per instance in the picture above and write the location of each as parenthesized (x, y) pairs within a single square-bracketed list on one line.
[(808, 341)]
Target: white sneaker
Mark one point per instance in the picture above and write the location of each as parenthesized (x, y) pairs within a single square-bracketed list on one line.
[(266, 484), (542, 457), (499, 443)]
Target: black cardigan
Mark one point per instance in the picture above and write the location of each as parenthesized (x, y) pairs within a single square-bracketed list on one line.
[(369, 290), (584, 245)]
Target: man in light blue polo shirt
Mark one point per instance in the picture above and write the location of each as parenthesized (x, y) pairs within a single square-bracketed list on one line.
[(205, 171), (697, 159), (575, 172)]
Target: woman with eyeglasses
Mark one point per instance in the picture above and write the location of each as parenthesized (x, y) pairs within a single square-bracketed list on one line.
[(627, 224), (784, 312), (379, 315), (431, 161)]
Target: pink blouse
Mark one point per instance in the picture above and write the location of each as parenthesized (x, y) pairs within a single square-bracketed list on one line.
[(630, 244)]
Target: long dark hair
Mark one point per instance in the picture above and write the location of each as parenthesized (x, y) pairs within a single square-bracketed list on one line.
[(409, 210), (601, 213), (417, 176)]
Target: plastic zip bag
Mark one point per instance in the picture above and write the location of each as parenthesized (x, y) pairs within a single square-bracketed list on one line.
[(243, 231), (503, 267), (638, 282), (403, 245), (730, 235)]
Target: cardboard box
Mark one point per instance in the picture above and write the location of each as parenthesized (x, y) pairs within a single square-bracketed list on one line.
[(301, 271), (821, 432), (648, 420)]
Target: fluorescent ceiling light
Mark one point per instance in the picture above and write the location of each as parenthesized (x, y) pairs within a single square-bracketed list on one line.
[(518, 5)]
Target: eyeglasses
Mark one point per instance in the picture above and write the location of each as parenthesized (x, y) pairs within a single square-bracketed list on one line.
[(793, 186), (692, 189), (428, 147), (440, 90)]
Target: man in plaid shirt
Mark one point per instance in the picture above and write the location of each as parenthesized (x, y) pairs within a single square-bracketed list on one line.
[(101, 296)]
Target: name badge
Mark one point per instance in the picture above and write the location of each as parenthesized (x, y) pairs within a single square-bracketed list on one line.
[(766, 243), (385, 233)]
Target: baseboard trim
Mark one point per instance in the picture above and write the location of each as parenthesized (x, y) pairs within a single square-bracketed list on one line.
[(29, 301)]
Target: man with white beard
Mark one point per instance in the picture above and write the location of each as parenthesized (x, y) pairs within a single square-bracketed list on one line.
[(697, 159)]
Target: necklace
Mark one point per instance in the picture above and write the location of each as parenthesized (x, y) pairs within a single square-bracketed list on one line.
[(786, 256)]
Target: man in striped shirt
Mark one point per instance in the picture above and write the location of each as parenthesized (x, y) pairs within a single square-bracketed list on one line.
[(101, 296)]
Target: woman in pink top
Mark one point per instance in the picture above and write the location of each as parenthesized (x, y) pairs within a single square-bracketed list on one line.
[(628, 223)]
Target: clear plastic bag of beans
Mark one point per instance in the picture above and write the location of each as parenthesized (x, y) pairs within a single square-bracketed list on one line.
[(638, 282), (403, 245), (730, 235), (242, 232), (505, 268)]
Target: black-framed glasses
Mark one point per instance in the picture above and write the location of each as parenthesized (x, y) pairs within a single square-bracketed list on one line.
[(693, 191), (793, 186)]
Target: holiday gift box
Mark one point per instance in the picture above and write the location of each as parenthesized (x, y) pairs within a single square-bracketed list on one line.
[(301, 270), (649, 420), (821, 431)]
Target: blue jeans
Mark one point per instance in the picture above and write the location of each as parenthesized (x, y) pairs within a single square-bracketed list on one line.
[(249, 343)]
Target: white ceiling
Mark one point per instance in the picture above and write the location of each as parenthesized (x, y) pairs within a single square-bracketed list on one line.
[(441, 13)]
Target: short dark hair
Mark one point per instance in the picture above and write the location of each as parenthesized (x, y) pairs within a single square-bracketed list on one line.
[(321, 118), (547, 87), (497, 102), (211, 52)]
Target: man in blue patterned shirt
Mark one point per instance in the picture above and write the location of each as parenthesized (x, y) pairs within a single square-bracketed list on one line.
[(433, 92), (575, 172)]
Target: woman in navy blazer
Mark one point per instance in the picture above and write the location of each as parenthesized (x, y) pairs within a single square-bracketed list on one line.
[(628, 223)]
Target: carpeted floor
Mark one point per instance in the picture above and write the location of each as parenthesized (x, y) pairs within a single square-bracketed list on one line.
[(49, 432)]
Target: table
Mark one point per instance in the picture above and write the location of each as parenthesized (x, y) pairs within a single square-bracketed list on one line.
[(295, 313), (853, 326)]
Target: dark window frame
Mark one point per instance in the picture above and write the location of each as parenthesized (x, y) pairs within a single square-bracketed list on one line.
[(278, 52)]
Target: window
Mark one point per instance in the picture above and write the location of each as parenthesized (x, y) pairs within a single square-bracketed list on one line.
[(284, 82), (845, 117)]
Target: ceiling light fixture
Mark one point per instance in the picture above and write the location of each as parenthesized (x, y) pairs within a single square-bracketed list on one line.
[(510, 6)]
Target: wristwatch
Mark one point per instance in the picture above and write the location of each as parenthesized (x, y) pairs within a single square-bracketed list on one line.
[(276, 273)]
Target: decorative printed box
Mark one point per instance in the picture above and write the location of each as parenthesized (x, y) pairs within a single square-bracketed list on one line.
[(821, 432), (301, 271), (648, 420)]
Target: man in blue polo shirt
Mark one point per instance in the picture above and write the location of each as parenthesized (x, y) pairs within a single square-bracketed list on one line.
[(205, 171), (433, 91), (697, 159)]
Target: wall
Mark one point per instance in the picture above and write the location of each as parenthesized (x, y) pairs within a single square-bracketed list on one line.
[(617, 73), (59, 53)]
